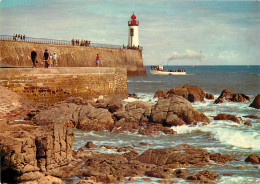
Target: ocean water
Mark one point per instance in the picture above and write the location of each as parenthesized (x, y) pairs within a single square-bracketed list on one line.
[(225, 137)]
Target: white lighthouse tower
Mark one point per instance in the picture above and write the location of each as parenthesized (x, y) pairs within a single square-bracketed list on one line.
[(133, 24)]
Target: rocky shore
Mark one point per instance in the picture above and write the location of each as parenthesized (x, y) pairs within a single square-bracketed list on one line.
[(36, 143)]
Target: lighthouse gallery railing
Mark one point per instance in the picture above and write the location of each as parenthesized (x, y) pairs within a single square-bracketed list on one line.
[(59, 42)]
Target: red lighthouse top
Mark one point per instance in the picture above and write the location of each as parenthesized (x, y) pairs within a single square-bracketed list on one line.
[(133, 22)]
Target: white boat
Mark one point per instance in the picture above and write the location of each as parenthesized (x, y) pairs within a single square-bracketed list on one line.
[(158, 70)]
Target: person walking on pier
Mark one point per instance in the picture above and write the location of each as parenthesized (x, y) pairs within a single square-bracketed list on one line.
[(46, 58), (54, 59), (33, 57), (97, 60)]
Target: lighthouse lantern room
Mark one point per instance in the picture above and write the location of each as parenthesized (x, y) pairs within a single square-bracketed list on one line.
[(133, 40)]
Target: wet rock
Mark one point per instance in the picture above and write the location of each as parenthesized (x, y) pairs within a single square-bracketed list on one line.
[(133, 95), (209, 96), (124, 149), (221, 159), (191, 93), (90, 144), (147, 179), (230, 117), (109, 147), (180, 173), (253, 159), (252, 116), (131, 179), (228, 96), (204, 176), (181, 154), (176, 111), (256, 103), (248, 124), (159, 172), (146, 144)]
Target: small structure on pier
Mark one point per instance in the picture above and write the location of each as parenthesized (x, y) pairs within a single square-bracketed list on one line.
[(133, 40)]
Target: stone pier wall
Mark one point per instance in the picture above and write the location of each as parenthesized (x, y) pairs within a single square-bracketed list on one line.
[(17, 53), (47, 86)]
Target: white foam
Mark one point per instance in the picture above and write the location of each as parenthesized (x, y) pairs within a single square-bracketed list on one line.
[(226, 133), (238, 179)]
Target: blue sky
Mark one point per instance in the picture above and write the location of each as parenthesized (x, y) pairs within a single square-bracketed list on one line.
[(183, 32)]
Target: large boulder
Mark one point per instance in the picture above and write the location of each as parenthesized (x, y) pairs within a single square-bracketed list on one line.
[(91, 118), (228, 96), (137, 111), (256, 103), (176, 111), (192, 93), (85, 117)]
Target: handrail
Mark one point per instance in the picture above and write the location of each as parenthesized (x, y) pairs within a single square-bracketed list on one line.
[(60, 42)]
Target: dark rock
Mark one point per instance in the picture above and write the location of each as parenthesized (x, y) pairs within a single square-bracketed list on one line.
[(180, 173), (176, 111), (230, 117), (159, 172), (248, 124), (253, 159), (256, 103), (252, 116), (228, 96), (190, 92), (132, 155), (90, 145), (209, 96), (204, 176), (221, 159), (133, 95), (146, 144), (181, 154)]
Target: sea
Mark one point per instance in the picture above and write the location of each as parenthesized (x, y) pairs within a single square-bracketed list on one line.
[(225, 137)]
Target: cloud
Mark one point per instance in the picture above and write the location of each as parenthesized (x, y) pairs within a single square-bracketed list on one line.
[(189, 54)]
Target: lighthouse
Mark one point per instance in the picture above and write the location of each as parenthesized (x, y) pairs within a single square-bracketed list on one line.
[(133, 24)]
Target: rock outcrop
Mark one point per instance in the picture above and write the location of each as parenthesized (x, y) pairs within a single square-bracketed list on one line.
[(36, 149), (192, 93), (256, 103), (209, 96), (181, 155), (13, 104), (228, 96), (223, 116), (176, 111), (253, 159)]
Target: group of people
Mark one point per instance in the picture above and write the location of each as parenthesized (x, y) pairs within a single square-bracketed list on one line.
[(80, 43), (48, 59), (18, 37)]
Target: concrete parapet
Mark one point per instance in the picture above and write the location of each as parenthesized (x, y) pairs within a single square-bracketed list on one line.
[(47, 86)]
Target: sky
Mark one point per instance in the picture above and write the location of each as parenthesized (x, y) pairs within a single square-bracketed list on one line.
[(190, 32)]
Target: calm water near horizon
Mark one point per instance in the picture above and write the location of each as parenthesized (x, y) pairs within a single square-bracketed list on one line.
[(225, 137)]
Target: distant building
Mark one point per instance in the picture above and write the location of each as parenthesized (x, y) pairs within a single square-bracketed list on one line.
[(133, 24)]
